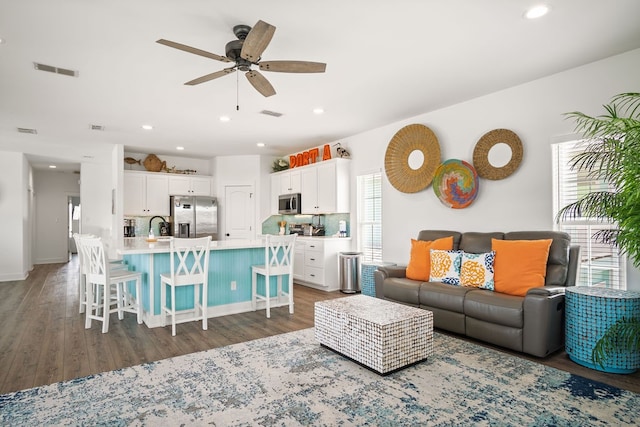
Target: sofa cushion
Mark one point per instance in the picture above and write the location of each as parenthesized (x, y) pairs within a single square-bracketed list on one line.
[(443, 296), (431, 235), (419, 262), (476, 270), (493, 307), (476, 243), (403, 290), (520, 265), (445, 266), (558, 263)]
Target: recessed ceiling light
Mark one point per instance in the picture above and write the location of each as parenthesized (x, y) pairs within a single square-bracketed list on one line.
[(225, 118), (147, 127), (537, 11), (52, 166), (260, 144), (179, 148), (318, 110)]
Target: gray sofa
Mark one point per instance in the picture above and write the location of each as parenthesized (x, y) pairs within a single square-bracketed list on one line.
[(533, 324)]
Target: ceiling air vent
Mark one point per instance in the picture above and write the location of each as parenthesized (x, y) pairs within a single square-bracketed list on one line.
[(52, 69), (97, 127), (27, 130), (270, 113)]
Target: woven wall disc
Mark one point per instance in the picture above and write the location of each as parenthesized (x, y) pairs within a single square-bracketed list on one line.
[(484, 145), (396, 160)]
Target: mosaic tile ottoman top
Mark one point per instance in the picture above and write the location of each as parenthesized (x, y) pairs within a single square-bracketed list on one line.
[(382, 335)]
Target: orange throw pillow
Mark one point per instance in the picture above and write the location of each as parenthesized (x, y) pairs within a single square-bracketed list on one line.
[(419, 267), (520, 265)]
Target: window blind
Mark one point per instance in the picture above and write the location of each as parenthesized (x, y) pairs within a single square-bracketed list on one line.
[(370, 216), (601, 264)]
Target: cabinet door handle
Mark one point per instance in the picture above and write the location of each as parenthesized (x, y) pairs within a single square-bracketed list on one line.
[(312, 259)]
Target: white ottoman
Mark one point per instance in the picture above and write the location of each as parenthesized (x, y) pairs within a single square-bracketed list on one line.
[(382, 335)]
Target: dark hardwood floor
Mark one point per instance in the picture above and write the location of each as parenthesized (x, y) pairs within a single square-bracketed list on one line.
[(43, 339)]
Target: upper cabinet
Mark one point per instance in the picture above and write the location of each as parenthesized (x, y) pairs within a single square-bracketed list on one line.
[(325, 187), (290, 182), (146, 194), (189, 185)]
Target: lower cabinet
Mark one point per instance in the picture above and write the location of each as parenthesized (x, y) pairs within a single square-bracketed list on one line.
[(316, 261)]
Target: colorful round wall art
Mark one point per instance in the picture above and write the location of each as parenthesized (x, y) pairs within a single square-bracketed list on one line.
[(456, 183)]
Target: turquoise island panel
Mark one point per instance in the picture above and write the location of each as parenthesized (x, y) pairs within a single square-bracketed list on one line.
[(225, 266)]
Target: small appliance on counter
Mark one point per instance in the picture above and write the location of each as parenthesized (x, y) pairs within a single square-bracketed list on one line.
[(297, 228), (313, 230), (129, 228)]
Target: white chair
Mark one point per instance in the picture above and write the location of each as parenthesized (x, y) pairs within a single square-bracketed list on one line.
[(278, 261), (106, 289), (189, 260), (82, 269)]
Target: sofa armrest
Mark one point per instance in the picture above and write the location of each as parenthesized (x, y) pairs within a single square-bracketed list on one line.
[(543, 331), (547, 291), (393, 270), (387, 271)]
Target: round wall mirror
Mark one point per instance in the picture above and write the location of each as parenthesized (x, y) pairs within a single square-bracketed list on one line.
[(499, 155), (416, 159)]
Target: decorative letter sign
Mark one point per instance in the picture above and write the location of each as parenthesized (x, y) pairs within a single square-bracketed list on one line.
[(309, 157)]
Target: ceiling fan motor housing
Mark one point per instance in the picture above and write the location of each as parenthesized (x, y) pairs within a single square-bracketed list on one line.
[(232, 51)]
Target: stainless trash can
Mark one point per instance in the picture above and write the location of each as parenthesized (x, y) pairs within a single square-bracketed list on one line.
[(350, 272)]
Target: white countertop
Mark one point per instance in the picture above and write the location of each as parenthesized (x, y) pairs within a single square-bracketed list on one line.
[(139, 245)]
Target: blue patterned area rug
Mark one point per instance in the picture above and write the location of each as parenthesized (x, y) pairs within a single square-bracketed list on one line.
[(290, 380)]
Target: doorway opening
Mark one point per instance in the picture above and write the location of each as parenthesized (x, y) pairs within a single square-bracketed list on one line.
[(73, 223)]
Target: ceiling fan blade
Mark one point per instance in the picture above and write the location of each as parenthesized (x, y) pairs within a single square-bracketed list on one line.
[(261, 84), (293, 66), (211, 76), (193, 50), (257, 41)]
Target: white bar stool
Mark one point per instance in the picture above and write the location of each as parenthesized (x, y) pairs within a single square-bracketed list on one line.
[(278, 261)]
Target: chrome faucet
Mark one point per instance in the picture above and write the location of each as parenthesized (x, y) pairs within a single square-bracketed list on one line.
[(159, 228)]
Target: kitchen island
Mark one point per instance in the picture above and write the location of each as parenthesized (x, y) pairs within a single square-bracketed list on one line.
[(229, 289)]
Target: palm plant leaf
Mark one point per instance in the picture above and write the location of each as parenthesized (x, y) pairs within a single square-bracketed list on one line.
[(622, 336), (611, 154)]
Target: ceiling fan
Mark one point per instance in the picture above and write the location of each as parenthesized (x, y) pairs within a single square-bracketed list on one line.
[(246, 52)]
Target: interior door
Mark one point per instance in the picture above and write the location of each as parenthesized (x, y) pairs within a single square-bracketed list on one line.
[(239, 212)]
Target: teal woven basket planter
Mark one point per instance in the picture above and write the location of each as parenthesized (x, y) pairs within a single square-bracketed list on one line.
[(590, 312)]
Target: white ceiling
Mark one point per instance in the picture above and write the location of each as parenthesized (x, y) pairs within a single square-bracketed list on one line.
[(386, 61)]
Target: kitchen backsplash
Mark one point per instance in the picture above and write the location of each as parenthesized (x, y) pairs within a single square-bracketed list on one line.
[(330, 222), (142, 224)]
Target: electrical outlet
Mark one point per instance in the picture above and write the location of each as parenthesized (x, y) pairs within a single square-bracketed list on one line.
[(233, 285)]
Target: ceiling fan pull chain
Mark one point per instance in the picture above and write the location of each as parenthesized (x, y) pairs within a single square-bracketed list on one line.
[(237, 92)]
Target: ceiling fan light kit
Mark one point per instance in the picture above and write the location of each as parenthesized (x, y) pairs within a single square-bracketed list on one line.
[(246, 52)]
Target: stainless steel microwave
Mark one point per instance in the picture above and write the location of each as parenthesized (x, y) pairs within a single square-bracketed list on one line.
[(289, 204)]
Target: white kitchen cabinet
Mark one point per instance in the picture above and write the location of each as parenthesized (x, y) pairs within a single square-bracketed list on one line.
[(146, 194), (325, 187), (298, 260), (189, 185), (316, 261), (290, 182)]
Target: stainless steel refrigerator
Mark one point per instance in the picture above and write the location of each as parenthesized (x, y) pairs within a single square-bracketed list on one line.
[(194, 216)]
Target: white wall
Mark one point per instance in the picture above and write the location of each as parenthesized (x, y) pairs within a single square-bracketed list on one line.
[(52, 190), (15, 195), (96, 200), (520, 202)]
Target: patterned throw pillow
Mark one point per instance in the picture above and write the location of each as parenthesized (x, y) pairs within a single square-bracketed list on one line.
[(476, 270), (445, 266)]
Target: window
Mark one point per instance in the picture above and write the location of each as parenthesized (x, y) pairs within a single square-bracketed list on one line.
[(601, 264), (370, 216)]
